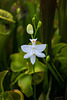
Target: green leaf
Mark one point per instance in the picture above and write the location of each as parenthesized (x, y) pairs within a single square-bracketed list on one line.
[(12, 95), (3, 40), (52, 71), (39, 78), (2, 75), (18, 62), (25, 84), (19, 92), (16, 79), (63, 61), (14, 76), (39, 67), (56, 48), (6, 16), (2, 29), (64, 51)]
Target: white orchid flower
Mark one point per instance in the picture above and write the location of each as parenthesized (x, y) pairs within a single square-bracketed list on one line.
[(33, 50)]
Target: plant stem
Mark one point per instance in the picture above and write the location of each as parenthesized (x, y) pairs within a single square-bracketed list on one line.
[(31, 36), (35, 33), (34, 83)]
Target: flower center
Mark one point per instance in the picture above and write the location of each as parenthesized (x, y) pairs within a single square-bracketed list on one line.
[(33, 41), (33, 50)]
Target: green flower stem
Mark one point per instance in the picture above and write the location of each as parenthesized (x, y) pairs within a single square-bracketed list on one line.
[(35, 33), (34, 83), (32, 36), (34, 26)]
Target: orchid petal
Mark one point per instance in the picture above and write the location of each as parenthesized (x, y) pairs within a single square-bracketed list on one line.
[(28, 55), (40, 47), (33, 39), (39, 54), (33, 58), (26, 48)]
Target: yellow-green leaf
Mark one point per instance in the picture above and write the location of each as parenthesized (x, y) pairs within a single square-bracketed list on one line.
[(57, 48), (21, 95), (5, 15), (25, 84), (12, 95), (39, 67), (64, 51), (18, 62), (63, 61)]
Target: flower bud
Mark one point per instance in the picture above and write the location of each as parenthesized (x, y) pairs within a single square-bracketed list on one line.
[(33, 20), (29, 29), (35, 15), (39, 24), (15, 4), (18, 10), (47, 58)]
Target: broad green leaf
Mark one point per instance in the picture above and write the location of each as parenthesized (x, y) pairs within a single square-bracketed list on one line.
[(64, 51), (14, 76), (63, 61), (42, 96), (18, 62), (56, 48), (39, 77), (25, 84), (16, 79), (2, 29), (62, 57), (19, 92), (4, 34), (6, 16), (2, 75), (12, 95), (39, 67)]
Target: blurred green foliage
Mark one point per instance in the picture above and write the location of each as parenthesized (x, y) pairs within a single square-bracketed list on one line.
[(51, 74)]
